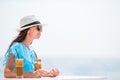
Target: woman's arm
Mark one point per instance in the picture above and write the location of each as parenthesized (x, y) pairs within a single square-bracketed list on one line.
[(10, 73)]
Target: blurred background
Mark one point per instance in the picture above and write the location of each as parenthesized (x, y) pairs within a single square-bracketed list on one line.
[(81, 38)]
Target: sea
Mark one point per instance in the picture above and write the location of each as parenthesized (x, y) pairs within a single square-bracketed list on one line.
[(76, 66)]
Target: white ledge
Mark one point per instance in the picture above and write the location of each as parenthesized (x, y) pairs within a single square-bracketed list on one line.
[(62, 78)]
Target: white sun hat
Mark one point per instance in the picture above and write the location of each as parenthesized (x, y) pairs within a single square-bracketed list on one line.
[(29, 21)]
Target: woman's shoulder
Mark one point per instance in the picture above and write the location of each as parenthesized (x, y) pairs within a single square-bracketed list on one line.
[(16, 44)]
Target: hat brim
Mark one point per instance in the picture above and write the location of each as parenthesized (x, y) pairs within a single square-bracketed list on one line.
[(26, 27)]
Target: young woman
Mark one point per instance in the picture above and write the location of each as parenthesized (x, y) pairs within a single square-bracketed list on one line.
[(30, 29)]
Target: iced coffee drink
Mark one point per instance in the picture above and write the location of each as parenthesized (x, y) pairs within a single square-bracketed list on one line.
[(19, 68), (37, 64)]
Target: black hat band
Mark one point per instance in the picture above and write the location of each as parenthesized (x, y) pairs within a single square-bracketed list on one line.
[(36, 22)]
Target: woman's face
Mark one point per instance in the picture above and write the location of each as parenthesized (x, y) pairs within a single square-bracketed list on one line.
[(34, 33)]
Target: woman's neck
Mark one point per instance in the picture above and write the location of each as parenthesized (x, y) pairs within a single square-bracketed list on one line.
[(27, 42)]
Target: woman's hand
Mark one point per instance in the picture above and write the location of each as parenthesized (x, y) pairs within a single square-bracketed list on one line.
[(44, 73), (54, 72), (40, 73)]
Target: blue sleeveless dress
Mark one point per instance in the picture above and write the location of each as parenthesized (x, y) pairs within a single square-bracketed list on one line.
[(19, 50)]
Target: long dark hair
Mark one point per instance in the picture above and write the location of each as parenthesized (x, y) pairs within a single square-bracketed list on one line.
[(21, 37)]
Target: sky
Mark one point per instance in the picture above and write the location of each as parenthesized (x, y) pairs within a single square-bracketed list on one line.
[(86, 29), (79, 28)]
